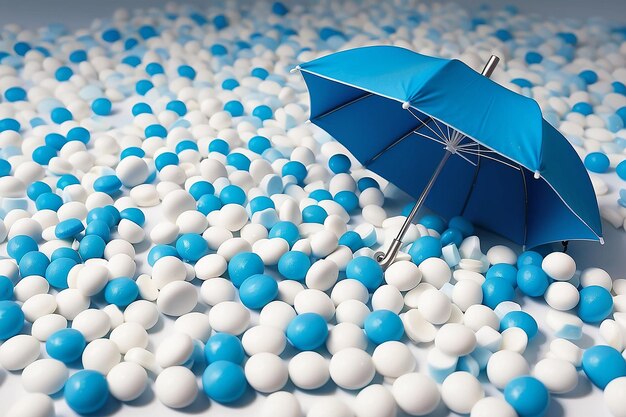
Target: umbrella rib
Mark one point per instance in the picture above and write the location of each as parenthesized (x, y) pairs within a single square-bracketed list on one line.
[(488, 157), (342, 106), (467, 159), (379, 154), (430, 137), (426, 124)]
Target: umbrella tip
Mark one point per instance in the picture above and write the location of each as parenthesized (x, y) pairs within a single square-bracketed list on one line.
[(601, 240), (537, 175), (406, 105), (295, 69)]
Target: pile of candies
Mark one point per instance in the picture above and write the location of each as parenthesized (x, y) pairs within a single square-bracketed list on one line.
[(157, 166)]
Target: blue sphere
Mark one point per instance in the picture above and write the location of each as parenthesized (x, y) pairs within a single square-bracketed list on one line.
[(141, 108), (285, 230), (520, 319), (620, 169), (583, 108), (191, 247), (257, 291), (220, 146), (57, 271), (532, 280), (134, 214), (339, 163), (597, 162), (294, 265), (65, 253), (321, 195), (164, 159), (143, 86), (497, 290), (14, 94), (589, 76), (208, 203), (66, 345), (6, 288), (528, 396), (435, 222), (365, 270), (596, 303), (232, 194), (263, 112), (451, 236), (224, 347), (63, 74), (60, 115), (529, 258), (161, 251), (11, 319), (367, 182), (259, 72), (259, 144), (155, 130), (86, 391), (101, 106), (5, 169), (230, 84), (43, 154), (121, 291), (347, 199), (243, 265), (78, 133), (187, 71), (177, 106), (425, 247), (352, 240), (602, 364), (33, 263), (234, 107), (261, 203), (314, 214), (36, 189), (504, 271), (295, 168), (462, 224), (224, 382), (20, 245), (66, 180), (307, 331), (200, 188), (91, 246), (108, 184), (383, 326), (238, 160), (49, 201)]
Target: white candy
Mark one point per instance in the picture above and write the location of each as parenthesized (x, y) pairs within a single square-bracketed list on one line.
[(349, 289), (322, 275), (559, 266), (31, 405), (596, 276), (492, 407), (374, 214), (129, 335), (229, 317), (501, 254), (558, 375), (70, 302), (127, 381), (92, 323), (352, 311), (514, 339), (351, 368), (478, 315), (216, 290), (417, 328), (176, 387), (489, 338), (435, 271), (143, 312), (505, 365), (177, 298), (27, 288), (566, 325), (144, 358), (611, 333), (323, 243), (562, 296), (232, 217), (393, 359), (614, 394), (466, 293), (345, 335), (195, 325), (308, 370), (416, 394), (18, 352), (288, 289), (314, 301), (404, 275), (177, 202), (168, 269), (46, 376), (460, 391), (455, 339), (164, 233), (46, 325), (277, 314), (564, 349), (148, 289), (174, 350), (375, 401), (435, 306), (281, 404), (266, 372), (38, 306), (101, 355), (262, 338), (387, 297)]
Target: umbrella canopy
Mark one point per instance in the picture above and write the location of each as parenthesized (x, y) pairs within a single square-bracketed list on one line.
[(400, 113)]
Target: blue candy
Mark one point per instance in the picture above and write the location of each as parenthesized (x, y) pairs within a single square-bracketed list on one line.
[(56, 272), (258, 144), (352, 239), (48, 201), (208, 203), (91, 246), (285, 230), (101, 106), (65, 253), (596, 303), (347, 199), (367, 182), (589, 76), (257, 291), (602, 364), (86, 391), (11, 319), (220, 146), (307, 331), (529, 258), (425, 247), (496, 290), (232, 194), (60, 115), (528, 396), (365, 270), (141, 108), (620, 169), (234, 107), (33, 263), (243, 265), (191, 247), (433, 221), (597, 162), (164, 159), (339, 163), (177, 107), (143, 86), (224, 347), (532, 280), (261, 203), (314, 214), (462, 224), (520, 319), (43, 154), (451, 236), (68, 228), (6, 288), (66, 345), (160, 251), (63, 74), (224, 382), (155, 130), (238, 160), (383, 326), (121, 291), (20, 245), (295, 168), (294, 265), (133, 214), (505, 271), (263, 112)]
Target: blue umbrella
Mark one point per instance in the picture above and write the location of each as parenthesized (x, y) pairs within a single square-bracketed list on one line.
[(455, 140)]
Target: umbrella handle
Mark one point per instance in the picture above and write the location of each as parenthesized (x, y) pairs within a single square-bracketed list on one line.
[(386, 259)]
